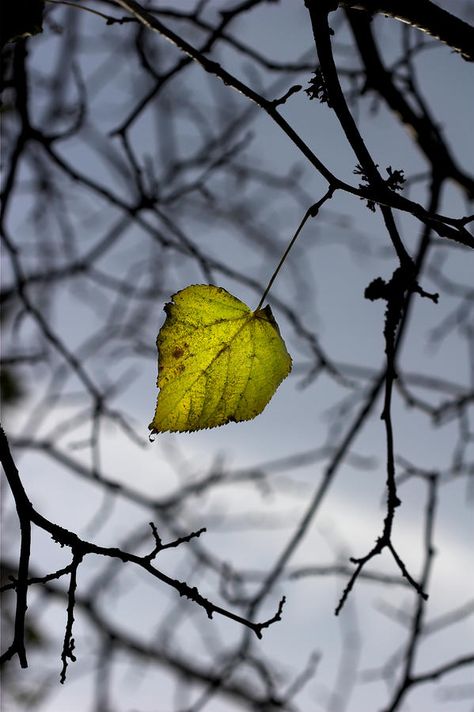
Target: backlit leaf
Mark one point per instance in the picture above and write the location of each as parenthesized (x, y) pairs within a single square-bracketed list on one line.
[(218, 361)]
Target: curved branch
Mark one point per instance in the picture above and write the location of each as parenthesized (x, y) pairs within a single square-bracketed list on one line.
[(80, 547), (428, 134), (425, 16), (23, 508), (445, 227)]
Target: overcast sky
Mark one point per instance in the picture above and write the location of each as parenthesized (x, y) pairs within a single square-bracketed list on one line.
[(324, 281)]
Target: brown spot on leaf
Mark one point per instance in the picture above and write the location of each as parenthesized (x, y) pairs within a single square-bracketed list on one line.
[(177, 352)]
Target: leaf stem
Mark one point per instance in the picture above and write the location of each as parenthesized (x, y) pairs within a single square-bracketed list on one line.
[(310, 213)]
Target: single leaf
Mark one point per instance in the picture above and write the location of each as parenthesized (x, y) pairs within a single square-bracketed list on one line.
[(218, 361)]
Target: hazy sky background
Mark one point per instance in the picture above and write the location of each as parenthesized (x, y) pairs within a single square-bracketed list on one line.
[(329, 300)]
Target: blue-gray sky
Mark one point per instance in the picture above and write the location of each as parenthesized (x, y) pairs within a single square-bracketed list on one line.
[(335, 258)]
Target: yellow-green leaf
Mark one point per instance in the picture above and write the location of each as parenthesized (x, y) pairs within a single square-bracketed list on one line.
[(218, 361)]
